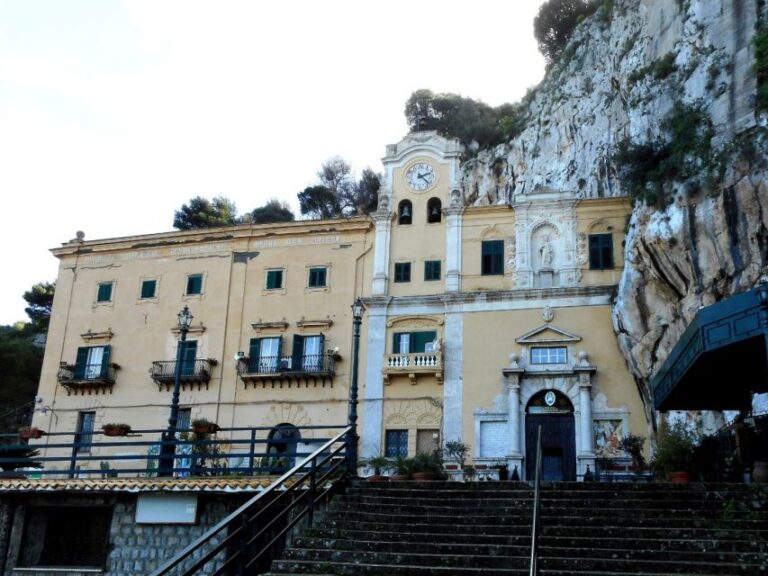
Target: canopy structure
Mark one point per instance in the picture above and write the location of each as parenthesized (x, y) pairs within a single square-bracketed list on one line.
[(720, 360)]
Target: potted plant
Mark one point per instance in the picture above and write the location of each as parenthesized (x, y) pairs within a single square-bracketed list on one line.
[(674, 452), (113, 429), (379, 465), (203, 426), (30, 433), (403, 467), (633, 447), (469, 473), (427, 466)]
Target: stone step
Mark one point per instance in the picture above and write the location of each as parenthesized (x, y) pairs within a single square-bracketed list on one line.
[(733, 540), (548, 547)]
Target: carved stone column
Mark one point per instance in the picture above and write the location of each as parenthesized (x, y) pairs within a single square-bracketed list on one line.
[(383, 219), (512, 376), (585, 453), (453, 243)]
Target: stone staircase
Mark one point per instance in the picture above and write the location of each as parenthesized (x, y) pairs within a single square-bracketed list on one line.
[(596, 529)]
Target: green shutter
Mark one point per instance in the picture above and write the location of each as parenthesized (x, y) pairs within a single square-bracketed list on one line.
[(253, 355), (105, 292), (298, 352), (105, 361), (188, 357), (148, 288), (82, 360), (420, 339)]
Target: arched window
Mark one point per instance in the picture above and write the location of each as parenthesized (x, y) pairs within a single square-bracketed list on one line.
[(281, 447), (405, 212), (433, 210)]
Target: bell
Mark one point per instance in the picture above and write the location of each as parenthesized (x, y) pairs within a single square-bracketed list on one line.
[(406, 211), (434, 214)]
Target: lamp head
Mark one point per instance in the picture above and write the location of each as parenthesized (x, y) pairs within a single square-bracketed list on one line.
[(185, 317), (358, 308)]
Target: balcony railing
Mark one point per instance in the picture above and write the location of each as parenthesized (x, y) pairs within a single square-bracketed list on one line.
[(229, 451), (307, 366), (76, 377), (413, 365), (197, 372)]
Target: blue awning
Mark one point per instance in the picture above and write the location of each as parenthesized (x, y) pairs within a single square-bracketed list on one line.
[(720, 360)]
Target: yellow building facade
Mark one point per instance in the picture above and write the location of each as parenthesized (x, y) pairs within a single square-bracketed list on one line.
[(482, 323)]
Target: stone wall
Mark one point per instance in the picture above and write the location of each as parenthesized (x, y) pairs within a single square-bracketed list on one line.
[(133, 548)]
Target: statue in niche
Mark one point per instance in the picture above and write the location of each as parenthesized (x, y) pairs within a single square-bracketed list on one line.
[(546, 252)]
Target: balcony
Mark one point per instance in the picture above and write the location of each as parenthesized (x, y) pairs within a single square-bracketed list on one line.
[(287, 370), (87, 378), (413, 365), (197, 373)]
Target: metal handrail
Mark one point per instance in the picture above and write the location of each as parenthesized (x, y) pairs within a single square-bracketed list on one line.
[(535, 526), (239, 532), (236, 450)]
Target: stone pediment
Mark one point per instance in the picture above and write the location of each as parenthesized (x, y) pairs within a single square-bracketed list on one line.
[(428, 141), (549, 334)]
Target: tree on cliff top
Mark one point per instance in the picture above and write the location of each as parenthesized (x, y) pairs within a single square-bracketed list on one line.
[(337, 194), (554, 24)]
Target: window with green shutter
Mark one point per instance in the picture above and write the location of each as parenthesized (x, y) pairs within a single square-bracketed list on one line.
[(92, 362), (402, 272), (412, 342), (104, 292), (317, 277), (492, 258), (601, 251), (188, 357), (431, 270), (148, 289), (194, 284), (274, 279)]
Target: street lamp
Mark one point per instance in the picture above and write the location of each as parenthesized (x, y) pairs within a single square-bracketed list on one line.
[(352, 438), (169, 436)]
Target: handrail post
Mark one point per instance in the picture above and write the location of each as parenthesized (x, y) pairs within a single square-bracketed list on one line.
[(312, 490), (73, 460), (251, 456), (534, 567)]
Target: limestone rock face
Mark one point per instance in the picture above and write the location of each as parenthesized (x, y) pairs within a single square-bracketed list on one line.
[(624, 71)]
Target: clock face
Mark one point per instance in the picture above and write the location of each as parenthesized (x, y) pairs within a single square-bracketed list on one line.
[(420, 176)]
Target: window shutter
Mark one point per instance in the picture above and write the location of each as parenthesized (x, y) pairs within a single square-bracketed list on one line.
[(80, 363), (298, 351), (105, 361), (419, 340), (253, 355), (188, 357)]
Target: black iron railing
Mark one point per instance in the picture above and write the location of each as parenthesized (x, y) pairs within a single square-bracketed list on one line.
[(244, 540), (86, 374), (199, 370), (230, 451), (536, 524), (313, 364)]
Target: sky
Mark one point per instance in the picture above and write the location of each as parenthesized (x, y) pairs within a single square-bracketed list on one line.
[(113, 114)]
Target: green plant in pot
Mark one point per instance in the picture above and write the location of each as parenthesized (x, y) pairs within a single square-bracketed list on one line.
[(633, 447), (427, 466), (18, 457), (379, 464), (403, 467), (674, 452)]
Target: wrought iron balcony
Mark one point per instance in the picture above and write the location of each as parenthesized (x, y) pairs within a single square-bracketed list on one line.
[(413, 365), (285, 369), (193, 373), (98, 377)]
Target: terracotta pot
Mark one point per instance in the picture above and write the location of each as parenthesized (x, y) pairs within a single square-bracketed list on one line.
[(760, 471), (398, 477), (117, 430), (28, 433), (377, 478), (422, 476), (679, 477)]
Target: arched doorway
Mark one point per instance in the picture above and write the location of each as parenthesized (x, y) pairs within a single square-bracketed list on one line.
[(552, 411), (281, 446)]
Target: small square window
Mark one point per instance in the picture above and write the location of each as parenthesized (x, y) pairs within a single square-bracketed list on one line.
[(104, 293), (148, 289), (317, 278), (492, 258), (402, 271), (553, 355), (601, 251), (194, 284), (274, 279), (432, 270)]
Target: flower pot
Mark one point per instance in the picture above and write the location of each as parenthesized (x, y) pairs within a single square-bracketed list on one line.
[(116, 430), (399, 477), (30, 433), (679, 477), (423, 476), (201, 430), (377, 478)]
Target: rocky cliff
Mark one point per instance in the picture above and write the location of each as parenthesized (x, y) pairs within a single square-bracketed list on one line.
[(654, 99)]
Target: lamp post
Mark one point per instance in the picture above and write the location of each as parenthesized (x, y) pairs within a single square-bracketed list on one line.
[(168, 448), (352, 438)]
